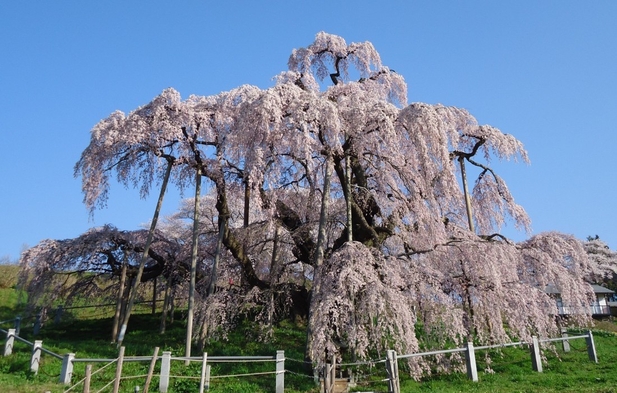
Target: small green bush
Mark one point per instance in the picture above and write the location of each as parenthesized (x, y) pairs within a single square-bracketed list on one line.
[(8, 276)]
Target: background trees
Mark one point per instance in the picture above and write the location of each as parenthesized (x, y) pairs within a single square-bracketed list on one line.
[(603, 262), (341, 204)]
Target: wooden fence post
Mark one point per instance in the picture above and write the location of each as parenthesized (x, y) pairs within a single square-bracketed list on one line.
[(10, 341), (17, 325), (565, 343), (165, 368), (67, 368), (280, 371), (87, 378), (392, 369), (155, 357), (204, 367), (37, 324), (591, 347), (470, 360), (329, 376), (333, 372), (58, 315), (35, 359), (536, 360), (119, 370)]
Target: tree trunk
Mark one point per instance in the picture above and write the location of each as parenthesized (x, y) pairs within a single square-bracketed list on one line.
[(194, 250), (144, 256), (217, 255), (275, 247), (319, 258)]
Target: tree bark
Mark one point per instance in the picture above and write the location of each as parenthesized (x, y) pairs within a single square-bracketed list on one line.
[(319, 258), (217, 255)]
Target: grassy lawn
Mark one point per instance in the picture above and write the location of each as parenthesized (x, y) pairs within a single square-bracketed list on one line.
[(87, 334)]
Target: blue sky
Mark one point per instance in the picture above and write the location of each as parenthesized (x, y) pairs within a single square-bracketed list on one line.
[(545, 72)]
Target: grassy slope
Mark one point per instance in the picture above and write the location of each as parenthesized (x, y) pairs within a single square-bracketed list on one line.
[(571, 372)]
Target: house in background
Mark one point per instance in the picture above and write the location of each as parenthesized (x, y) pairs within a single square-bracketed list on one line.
[(600, 308)]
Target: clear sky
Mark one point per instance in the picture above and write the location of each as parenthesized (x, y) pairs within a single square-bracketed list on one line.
[(544, 71)]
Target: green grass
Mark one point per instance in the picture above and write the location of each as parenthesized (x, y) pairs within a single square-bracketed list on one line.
[(87, 334), (563, 372)]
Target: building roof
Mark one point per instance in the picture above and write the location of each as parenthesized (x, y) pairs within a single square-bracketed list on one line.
[(552, 289), (600, 289)]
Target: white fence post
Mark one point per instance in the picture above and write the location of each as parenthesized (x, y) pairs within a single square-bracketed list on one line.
[(591, 347), (67, 368), (392, 368), (280, 371), (165, 368), (35, 360), (536, 360), (470, 360), (10, 341)]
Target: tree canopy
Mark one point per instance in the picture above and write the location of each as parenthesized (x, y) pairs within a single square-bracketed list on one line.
[(343, 204)]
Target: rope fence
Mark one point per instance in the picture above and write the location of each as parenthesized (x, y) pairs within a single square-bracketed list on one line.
[(366, 372)]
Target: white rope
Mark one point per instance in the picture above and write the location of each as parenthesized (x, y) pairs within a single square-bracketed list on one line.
[(94, 373)]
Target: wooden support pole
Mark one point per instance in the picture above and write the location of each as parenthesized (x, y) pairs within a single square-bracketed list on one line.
[(87, 378), (118, 315), (204, 367), (151, 369), (333, 374), (154, 296), (394, 385), (119, 370)]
